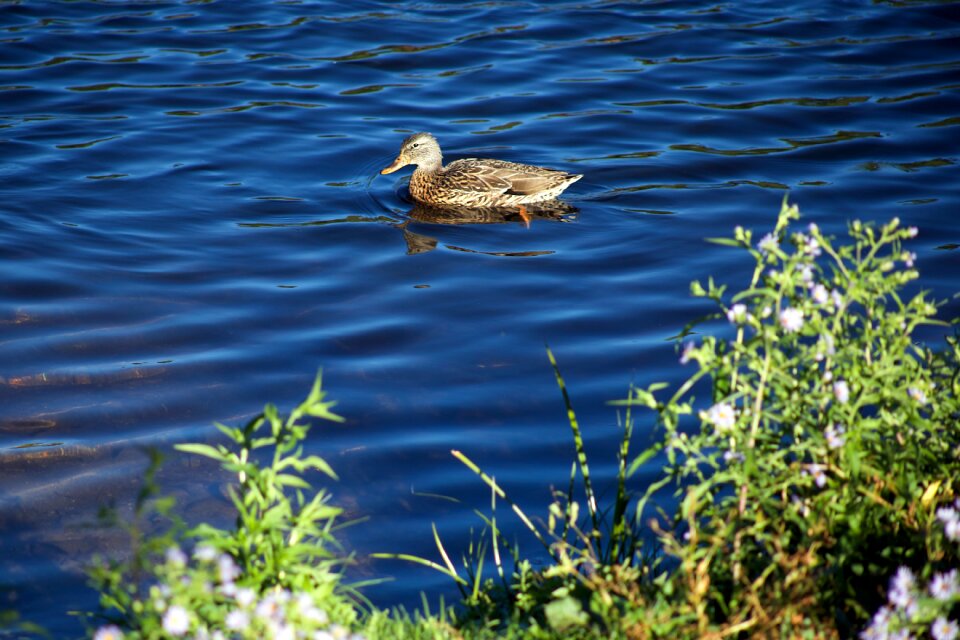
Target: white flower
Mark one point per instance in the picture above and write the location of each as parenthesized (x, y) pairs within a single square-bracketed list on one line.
[(205, 553), (731, 457), (737, 314), (176, 622), (917, 394), (685, 355), (816, 470), (841, 390), (227, 568), (245, 597), (284, 632), (837, 299), (108, 632), (806, 273), (176, 557), (768, 243), (819, 294), (723, 416), (237, 620), (944, 585), (943, 629), (947, 514), (834, 435), (909, 257), (901, 589), (952, 530), (269, 608), (812, 247), (791, 319), (913, 231)]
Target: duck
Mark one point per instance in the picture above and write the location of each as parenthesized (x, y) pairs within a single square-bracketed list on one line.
[(475, 182)]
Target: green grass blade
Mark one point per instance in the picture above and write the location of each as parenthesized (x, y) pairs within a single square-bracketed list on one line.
[(578, 442), (503, 496)]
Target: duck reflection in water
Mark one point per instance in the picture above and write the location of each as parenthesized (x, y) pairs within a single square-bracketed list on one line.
[(554, 210)]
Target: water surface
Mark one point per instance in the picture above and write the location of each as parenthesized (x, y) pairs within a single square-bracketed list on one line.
[(192, 224)]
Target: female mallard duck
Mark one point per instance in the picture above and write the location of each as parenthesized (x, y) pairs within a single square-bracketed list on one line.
[(475, 182)]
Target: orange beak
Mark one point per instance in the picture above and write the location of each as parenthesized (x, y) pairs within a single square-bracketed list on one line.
[(398, 163)]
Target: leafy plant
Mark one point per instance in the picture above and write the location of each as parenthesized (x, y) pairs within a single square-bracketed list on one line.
[(830, 439), (275, 574)]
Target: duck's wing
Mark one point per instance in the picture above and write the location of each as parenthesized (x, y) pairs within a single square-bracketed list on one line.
[(472, 174), (501, 176)]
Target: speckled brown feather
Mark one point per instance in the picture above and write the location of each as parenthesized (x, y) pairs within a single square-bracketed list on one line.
[(476, 182)]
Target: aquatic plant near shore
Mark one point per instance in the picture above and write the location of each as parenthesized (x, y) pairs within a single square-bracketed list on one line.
[(830, 439), (826, 459), (276, 574), (845, 431)]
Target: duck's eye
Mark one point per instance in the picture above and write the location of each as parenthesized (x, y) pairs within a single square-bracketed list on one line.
[(416, 144)]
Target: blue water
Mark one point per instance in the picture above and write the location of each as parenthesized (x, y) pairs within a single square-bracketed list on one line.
[(193, 223)]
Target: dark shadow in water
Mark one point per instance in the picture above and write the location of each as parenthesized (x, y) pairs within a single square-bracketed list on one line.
[(555, 210)]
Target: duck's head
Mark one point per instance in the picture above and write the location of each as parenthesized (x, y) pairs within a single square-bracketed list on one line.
[(420, 149)]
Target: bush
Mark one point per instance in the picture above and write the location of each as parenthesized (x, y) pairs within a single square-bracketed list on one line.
[(824, 465), (275, 574)]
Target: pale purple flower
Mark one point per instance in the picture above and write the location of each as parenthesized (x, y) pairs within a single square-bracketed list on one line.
[(791, 319), (917, 394), (903, 579), (819, 294), (944, 586), (685, 355), (909, 257), (947, 514), (950, 518), (879, 625), (813, 228), (943, 629), (205, 553), (806, 273), (723, 416), (245, 597), (768, 243), (817, 471), (913, 231), (801, 505), (737, 314), (108, 632), (952, 530), (269, 608), (309, 610), (237, 620), (284, 632), (812, 247), (227, 569), (733, 456), (176, 621), (176, 557), (841, 391), (837, 299), (834, 435), (902, 591)]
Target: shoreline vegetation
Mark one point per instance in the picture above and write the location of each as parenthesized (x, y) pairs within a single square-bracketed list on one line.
[(815, 473)]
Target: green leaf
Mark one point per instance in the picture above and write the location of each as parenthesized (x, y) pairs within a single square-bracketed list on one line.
[(203, 450)]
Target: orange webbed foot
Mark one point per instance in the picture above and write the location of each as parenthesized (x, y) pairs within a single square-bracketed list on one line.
[(526, 216)]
